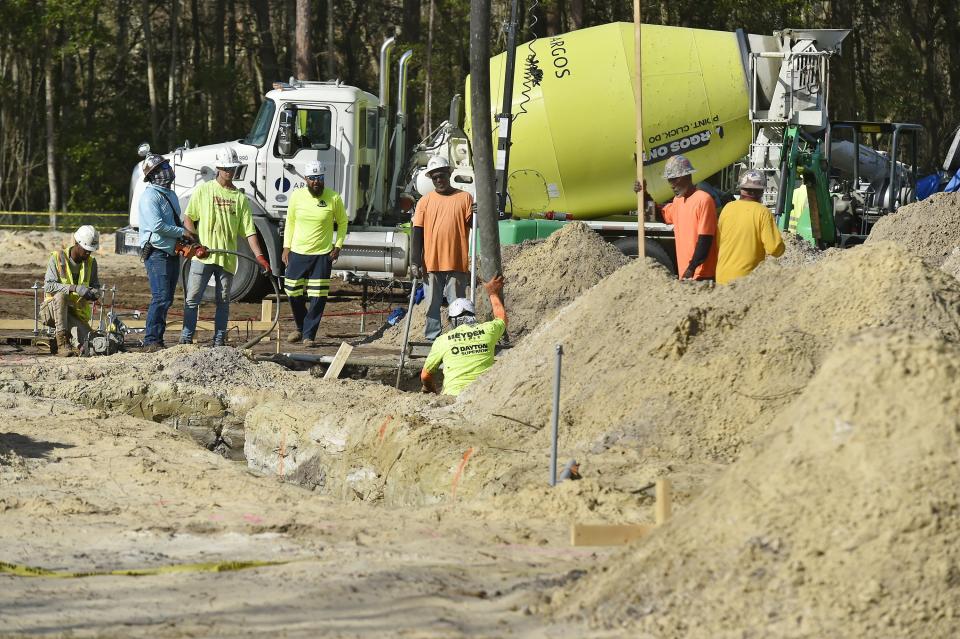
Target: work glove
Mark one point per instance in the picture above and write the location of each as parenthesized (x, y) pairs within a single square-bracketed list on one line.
[(264, 264), (92, 294), (416, 271), (82, 291)]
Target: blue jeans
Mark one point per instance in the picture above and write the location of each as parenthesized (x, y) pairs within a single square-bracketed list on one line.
[(162, 272), (197, 280), (442, 285)]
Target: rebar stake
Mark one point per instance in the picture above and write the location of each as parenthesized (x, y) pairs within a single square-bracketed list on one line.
[(555, 425)]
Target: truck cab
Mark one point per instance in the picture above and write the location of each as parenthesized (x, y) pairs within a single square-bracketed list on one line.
[(338, 125)]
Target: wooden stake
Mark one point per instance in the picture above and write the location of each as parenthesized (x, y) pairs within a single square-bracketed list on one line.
[(266, 311), (662, 506), (339, 361), (638, 89)]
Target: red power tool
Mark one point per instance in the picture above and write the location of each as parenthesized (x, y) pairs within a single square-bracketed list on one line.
[(187, 250)]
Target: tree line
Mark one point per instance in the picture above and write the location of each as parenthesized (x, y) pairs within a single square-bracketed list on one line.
[(83, 82)]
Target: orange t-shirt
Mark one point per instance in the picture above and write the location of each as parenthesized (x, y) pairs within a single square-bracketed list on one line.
[(691, 217), (446, 228)]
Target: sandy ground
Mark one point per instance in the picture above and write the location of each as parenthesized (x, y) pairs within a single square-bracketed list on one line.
[(805, 414)]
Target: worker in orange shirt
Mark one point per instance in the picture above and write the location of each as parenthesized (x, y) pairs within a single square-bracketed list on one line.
[(440, 254), (693, 214)]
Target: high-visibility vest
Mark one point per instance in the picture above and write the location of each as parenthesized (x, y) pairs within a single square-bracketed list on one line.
[(79, 306)]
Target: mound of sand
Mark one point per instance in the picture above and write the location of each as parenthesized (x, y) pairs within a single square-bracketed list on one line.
[(541, 277), (845, 523), (798, 252), (930, 228), (951, 265), (694, 373)]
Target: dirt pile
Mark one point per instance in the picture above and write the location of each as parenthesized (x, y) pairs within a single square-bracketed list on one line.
[(798, 252), (541, 277), (692, 373), (930, 228), (845, 523), (951, 265)]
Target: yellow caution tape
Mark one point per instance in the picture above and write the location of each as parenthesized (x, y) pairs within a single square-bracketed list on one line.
[(217, 566)]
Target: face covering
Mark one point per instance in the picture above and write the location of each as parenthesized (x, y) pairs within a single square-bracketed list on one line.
[(162, 176)]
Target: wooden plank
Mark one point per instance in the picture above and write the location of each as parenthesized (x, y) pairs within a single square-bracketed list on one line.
[(339, 360), (266, 311), (663, 506), (607, 534)]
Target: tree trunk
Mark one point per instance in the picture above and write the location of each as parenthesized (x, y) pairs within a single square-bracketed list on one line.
[(304, 45), (487, 218), (199, 94), (267, 50), (427, 80), (410, 33), (331, 45), (172, 84), (66, 103), (151, 73), (576, 14), (216, 119)]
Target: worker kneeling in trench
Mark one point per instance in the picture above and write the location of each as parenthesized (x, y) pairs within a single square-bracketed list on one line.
[(467, 350), (70, 284)]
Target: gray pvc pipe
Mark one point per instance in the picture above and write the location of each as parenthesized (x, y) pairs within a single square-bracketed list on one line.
[(555, 422), (406, 329)]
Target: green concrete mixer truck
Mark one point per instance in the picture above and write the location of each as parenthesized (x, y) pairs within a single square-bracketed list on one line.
[(707, 94)]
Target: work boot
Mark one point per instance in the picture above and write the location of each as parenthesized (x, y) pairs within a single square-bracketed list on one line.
[(295, 337), (309, 343), (64, 347), (152, 348)]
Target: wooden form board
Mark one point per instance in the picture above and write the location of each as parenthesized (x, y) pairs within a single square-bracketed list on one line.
[(607, 534), (339, 360), (622, 534)]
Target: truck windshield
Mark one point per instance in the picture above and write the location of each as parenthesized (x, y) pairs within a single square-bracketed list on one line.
[(261, 125)]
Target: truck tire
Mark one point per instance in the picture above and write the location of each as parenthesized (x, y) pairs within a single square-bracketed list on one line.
[(249, 285), (628, 246)]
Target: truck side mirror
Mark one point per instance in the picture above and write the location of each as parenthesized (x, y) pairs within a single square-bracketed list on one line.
[(286, 133)]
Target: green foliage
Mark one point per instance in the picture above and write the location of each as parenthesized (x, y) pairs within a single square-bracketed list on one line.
[(899, 63)]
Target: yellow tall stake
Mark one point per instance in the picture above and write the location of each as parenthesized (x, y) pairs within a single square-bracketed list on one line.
[(641, 248)]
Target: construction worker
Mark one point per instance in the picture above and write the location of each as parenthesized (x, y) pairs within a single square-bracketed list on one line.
[(693, 214), (746, 233), (70, 284), (160, 229), (441, 228), (309, 250), (467, 350), (223, 214)]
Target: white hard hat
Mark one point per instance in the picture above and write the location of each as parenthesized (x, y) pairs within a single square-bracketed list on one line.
[(752, 180), (677, 166), (437, 162), (314, 168), (87, 237), (227, 158), (460, 306)]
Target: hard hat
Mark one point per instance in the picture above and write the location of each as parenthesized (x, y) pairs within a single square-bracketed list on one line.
[(436, 163), (87, 237), (314, 168), (227, 158), (752, 180), (676, 167), (460, 306), (150, 164)]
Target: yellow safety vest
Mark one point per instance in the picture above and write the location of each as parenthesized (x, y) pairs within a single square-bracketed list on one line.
[(79, 306)]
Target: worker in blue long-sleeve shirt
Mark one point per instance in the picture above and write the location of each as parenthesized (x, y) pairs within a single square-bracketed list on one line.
[(159, 231)]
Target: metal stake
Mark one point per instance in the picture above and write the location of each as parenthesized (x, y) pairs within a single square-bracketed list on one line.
[(555, 422), (36, 307), (406, 329)]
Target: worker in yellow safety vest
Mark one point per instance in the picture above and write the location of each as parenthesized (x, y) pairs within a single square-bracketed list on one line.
[(746, 233), (466, 351), (70, 284)]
